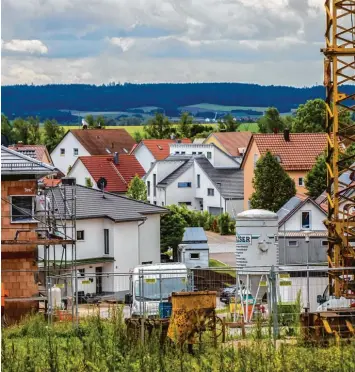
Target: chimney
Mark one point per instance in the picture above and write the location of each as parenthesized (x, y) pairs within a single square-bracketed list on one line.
[(178, 141), (115, 158), (287, 135), (19, 144)]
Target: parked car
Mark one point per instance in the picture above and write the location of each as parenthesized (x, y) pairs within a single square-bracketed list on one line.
[(226, 294)]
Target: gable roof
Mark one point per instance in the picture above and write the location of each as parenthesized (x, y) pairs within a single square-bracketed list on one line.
[(292, 206), (159, 147), (231, 179), (34, 151), (299, 153), (118, 175), (233, 141), (14, 163), (187, 162), (100, 141), (90, 203)]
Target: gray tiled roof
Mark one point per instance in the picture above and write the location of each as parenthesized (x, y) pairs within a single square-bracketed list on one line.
[(288, 207), (194, 234), (16, 163), (188, 162), (91, 204), (231, 179)]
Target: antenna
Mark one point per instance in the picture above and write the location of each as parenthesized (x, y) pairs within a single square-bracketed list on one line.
[(102, 184)]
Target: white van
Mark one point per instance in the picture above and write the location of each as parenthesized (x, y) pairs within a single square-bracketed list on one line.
[(152, 284)]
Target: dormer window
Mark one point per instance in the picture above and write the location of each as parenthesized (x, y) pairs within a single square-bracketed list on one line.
[(159, 147)]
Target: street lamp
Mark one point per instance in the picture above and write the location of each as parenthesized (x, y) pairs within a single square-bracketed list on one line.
[(307, 242)]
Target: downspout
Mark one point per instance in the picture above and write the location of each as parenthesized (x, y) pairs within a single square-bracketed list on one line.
[(139, 240)]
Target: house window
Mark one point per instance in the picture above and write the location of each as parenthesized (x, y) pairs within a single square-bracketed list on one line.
[(177, 152), (210, 192), (81, 272), (300, 181), (162, 204), (193, 152), (183, 152), (148, 188), (209, 155), (154, 184), (76, 152), (200, 152), (194, 256), (80, 235), (22, 209), (155, 203), (256, 157), (184, 184), (292, 243), (198, 181), (184, 203), (62, 152), (325, 243), (306, 221), (106, 241)]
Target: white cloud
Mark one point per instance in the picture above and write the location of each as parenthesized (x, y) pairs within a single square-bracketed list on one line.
[(25, 46), (123, 43)]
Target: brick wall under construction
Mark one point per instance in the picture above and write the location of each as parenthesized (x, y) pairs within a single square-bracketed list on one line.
[(19, 284)]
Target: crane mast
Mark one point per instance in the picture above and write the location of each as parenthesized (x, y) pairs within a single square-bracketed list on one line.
[(339, 80)]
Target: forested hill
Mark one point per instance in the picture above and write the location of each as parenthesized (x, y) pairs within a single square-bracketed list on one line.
[(25, 100)]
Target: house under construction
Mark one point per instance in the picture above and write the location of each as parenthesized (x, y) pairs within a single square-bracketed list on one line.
[(32, 216)]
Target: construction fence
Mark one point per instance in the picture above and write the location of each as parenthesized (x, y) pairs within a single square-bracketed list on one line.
[(274, 296)]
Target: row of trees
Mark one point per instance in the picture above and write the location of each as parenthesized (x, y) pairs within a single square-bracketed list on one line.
[(29, 133), (309, 117)]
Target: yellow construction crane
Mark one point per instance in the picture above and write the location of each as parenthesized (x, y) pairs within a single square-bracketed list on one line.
[(339, 80)]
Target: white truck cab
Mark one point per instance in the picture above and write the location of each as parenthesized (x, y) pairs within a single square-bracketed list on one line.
[(154, 283)]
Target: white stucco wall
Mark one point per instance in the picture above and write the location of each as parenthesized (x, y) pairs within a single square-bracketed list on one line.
[(80, 172), (144, 156), (149, 240), (69, 142), (316, 219)]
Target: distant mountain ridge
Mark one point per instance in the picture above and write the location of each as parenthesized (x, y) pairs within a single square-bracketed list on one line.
[(47, 100)]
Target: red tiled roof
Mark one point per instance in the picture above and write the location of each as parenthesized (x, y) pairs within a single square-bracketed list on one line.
[(299, 153), (232, 141), (35, 151), (117, 176), (160, 147), (51, 182), (96, 141)]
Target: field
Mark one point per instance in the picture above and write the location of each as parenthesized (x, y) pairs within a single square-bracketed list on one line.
[(212, 107), (104, 346)]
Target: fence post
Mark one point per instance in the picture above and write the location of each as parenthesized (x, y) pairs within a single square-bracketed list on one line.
[(274, 303)]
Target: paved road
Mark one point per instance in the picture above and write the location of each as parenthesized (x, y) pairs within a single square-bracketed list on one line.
[(227, 258), (220, 244)]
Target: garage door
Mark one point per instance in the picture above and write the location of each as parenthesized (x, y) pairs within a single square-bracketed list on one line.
[(215, 210)]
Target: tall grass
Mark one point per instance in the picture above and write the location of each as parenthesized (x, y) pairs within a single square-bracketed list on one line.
[(103, 345)]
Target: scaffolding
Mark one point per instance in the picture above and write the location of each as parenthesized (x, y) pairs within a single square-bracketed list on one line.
[(56, 227)]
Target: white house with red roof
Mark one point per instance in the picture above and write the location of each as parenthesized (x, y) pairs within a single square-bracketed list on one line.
[(117, 169), (149, 151)]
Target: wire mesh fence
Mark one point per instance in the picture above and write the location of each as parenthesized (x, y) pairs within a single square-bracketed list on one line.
[(274, 299)]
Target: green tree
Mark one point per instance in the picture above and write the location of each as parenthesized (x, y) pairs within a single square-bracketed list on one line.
[(316, 178), (137, 189), (100, 121), (137, 135), (90, 120), (271, 121), (172, 227), (34, 137), (88, 182), (21, 130), (159, 127), (53, 133), (272, 185), (184, 126), (229, 124), (310, 117), (6, 128)]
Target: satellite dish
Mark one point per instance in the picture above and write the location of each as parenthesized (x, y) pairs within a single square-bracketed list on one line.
[(102, 183)]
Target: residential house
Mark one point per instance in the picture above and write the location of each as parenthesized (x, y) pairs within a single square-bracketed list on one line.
[(204, 178), (87, 142), (117, 169), (302, 232), (296, 152), (38, 152), (232, 143), (151, 150), (113, 235), (19, 176), (194, 249)]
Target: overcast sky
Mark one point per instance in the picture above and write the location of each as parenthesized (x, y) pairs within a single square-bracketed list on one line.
[(100, 41)]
